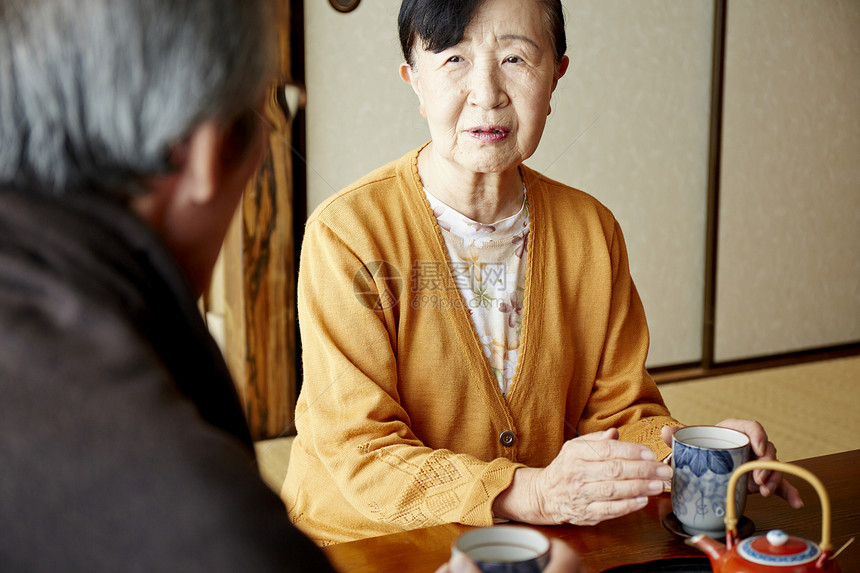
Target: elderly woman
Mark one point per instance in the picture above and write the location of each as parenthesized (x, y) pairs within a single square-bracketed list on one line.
[(474, 346)]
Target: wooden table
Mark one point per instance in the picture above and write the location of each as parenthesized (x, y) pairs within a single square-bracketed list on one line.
[(637, 537)]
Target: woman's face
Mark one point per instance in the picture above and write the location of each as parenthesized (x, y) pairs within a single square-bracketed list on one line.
[(487, 98)]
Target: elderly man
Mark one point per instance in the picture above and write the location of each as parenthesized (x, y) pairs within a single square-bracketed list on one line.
[(127, 133)]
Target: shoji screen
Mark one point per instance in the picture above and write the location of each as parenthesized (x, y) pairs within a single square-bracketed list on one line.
[(789, 241), (630, 126)]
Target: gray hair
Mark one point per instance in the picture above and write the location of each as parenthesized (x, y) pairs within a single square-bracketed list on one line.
[(94, 94)]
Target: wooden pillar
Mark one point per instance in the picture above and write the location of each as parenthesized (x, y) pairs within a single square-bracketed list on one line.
[(251, 304)]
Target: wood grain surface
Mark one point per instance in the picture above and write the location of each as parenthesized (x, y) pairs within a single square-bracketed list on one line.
[(637, 537), (259, 274)]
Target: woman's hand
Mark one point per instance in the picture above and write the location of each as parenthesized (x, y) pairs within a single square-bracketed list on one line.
[(594, 478), (562, 560), (765, 482)]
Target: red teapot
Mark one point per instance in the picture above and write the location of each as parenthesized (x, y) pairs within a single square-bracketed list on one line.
[(775, 552)]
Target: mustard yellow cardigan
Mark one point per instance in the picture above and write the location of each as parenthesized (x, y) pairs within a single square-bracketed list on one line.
[(401, 423)]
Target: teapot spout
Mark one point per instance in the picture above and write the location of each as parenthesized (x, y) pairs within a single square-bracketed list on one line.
[(713, 549)]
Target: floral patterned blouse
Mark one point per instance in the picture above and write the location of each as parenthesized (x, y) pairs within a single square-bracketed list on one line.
[(488, 263)]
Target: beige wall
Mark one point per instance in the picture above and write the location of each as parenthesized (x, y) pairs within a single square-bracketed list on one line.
[(360, 114), (789, 259), (630, 126)]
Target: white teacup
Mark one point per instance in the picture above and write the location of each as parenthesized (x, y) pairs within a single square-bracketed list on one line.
[(703, 459), (505, 549)]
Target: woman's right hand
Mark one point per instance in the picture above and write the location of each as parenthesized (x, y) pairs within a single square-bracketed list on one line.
[(593, 478)]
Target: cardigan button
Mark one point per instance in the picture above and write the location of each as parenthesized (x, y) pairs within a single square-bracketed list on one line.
[(507, 438)]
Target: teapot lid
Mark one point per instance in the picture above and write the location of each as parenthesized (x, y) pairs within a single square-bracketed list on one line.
[(778, 549)]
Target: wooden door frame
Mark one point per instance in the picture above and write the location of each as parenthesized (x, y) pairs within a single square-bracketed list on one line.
[(251, 304)]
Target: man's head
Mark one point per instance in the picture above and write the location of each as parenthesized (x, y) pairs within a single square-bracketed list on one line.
[(135, 98)]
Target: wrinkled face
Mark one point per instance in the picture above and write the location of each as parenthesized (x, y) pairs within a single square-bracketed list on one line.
[(487, 98)]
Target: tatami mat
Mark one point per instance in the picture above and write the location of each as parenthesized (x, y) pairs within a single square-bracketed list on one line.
[(273, 456), (808, 410)]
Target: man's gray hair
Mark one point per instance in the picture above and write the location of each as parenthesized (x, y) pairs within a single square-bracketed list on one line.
[(95, 93)]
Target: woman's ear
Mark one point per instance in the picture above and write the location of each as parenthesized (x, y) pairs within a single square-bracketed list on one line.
[(560, 71), (406, 73), (410, 76)]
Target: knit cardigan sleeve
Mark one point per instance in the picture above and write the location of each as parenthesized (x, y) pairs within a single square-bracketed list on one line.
[(637, 410), (350, 414)]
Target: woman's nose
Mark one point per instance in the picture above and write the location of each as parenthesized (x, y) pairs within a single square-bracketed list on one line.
[(487, 88)]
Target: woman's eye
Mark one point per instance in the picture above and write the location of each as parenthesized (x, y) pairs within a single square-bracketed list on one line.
[(513, 60), (455, 59)]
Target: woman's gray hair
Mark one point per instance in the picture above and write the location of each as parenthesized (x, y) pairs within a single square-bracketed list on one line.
[(94, 94)]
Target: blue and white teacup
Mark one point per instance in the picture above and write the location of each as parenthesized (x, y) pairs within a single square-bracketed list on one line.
[(505, 549), (703, 459)]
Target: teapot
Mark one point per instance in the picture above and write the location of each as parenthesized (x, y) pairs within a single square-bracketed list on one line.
[(775, 552)]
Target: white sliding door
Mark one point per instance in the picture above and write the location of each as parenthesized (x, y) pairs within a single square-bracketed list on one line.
[(789, 242)]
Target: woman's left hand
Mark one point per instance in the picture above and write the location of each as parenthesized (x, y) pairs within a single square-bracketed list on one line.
[(766, 482)]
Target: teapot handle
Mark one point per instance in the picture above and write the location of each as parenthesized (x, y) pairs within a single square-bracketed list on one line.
[(731, 520)]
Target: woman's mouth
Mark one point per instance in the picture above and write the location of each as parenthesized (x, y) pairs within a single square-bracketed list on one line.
[(490, 133)]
